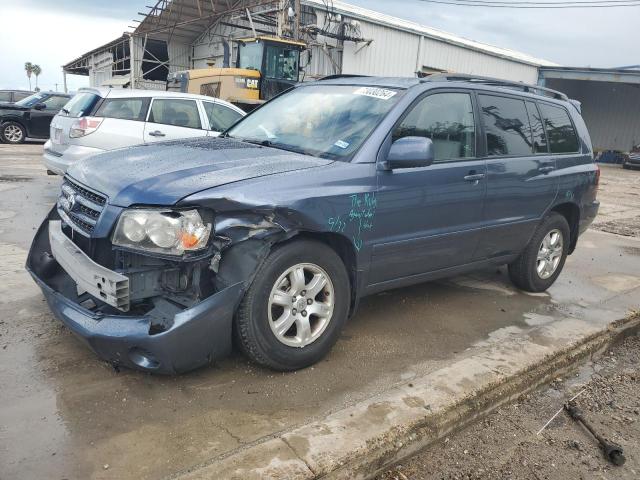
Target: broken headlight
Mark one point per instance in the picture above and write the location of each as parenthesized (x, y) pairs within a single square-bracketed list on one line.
[(170, 232)]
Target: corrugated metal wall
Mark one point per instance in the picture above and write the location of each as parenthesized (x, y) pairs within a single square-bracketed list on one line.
[(610, 110), (395, 53)]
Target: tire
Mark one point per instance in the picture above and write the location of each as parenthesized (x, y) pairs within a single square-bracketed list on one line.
[(13, 133), (626, 166), (258, 312), (524, 270)]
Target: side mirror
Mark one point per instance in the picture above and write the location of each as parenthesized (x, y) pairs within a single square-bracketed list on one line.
[(40, 106), (410, 152)]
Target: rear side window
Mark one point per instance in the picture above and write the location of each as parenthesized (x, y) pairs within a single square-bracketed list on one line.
[(20, 95), (81, 104), (506, 124), (180, 113), (445, 118), (220, 117), (537, 129), (124, 108), (562, 136), (5, 96)]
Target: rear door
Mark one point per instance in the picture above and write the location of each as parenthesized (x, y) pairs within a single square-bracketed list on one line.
[(173, 118), (220, 117), (521, 179)]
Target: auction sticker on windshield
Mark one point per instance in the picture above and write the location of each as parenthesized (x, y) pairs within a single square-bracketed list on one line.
[(375, 92)]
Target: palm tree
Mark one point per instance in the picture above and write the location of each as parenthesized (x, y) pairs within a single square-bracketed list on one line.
[(28, 67), (37, 71)]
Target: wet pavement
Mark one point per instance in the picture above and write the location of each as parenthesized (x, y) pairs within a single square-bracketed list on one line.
[(65, 414)]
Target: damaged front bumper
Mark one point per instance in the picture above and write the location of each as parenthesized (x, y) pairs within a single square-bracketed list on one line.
[(192, 337)]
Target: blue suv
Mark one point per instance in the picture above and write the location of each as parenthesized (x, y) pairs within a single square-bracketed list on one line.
[(158, 256)]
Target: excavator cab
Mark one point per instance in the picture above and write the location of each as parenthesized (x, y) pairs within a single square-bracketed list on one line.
[(277, 60), (265, 67)]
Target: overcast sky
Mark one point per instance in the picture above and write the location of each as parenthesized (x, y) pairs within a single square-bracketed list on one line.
[(53, 33)]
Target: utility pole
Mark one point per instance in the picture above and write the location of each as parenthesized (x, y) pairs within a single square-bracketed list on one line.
[(296, 27)]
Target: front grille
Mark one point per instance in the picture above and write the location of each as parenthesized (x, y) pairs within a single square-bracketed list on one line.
[(80, 207)]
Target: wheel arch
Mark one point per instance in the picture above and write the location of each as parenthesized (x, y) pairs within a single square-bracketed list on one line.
[(344, 249), (571, 212)]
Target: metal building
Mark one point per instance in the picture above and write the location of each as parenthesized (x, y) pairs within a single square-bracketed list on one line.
[(610, 100), (342, 38)]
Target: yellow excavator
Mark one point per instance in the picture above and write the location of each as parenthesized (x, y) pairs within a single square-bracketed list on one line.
[(265, 66)]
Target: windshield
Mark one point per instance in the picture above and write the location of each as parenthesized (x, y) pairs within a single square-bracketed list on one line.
[(31, 100), (251, 55), (328, 121), (80, 105)]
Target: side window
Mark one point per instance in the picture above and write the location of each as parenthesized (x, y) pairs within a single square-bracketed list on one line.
[(55, 102), (506, 124), (562, 136), (20, 95), (181, 113), (537, 129), (445, 118), (6, 97), (220, 117), (124, 108)]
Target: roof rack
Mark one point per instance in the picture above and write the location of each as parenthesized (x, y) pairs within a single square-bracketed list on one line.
[(341, 75), (496, 82)]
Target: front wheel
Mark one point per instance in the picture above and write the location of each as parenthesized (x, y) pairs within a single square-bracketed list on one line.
[(296, 307), (541, 262), (13, 133)]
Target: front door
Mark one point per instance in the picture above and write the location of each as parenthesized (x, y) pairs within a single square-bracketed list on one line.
[(521, 183), (171, 119), (429, 218), (40, 120)]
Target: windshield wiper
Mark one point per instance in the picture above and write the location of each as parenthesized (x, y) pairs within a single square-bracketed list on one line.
[(65, 111)]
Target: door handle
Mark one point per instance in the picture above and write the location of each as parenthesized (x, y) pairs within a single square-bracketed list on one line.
[(546, 169), (474, 177), (157, 133)]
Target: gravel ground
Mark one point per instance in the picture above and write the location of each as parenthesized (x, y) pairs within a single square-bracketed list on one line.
[(619, 194), (506, 445)]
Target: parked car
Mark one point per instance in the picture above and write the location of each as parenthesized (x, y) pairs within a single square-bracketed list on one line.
[(12, 96), (30, 117), (97, 120), (158, 255), (633, 159)]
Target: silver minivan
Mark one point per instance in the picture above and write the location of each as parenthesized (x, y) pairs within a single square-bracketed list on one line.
[(101, 119)]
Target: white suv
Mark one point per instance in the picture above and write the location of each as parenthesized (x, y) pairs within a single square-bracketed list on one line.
[(100, 119)]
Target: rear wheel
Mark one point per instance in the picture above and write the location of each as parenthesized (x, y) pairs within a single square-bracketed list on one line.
[(296, 307), (13, 132), (540, 264)]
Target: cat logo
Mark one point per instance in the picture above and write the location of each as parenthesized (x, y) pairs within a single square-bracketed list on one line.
[(252, 83)]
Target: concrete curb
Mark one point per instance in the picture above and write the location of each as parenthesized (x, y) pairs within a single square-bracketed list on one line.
[(359, 441)]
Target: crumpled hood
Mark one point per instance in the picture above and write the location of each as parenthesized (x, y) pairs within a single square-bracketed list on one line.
[(165, 172)]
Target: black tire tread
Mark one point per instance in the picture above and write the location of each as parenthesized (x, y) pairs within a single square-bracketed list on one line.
[(245, 339), (522, 270)]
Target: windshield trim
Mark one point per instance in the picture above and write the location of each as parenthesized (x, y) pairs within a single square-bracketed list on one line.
[(347, 158)]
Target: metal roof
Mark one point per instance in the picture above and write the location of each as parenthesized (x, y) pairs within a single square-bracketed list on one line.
[(412, 27), (188, 19), (616, 75)]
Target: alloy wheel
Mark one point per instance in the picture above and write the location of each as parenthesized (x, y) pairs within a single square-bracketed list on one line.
[(13, 133), (550, 254), (301, 305)]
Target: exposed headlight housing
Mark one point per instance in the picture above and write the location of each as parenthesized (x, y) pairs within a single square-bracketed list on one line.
[(170, 232)]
